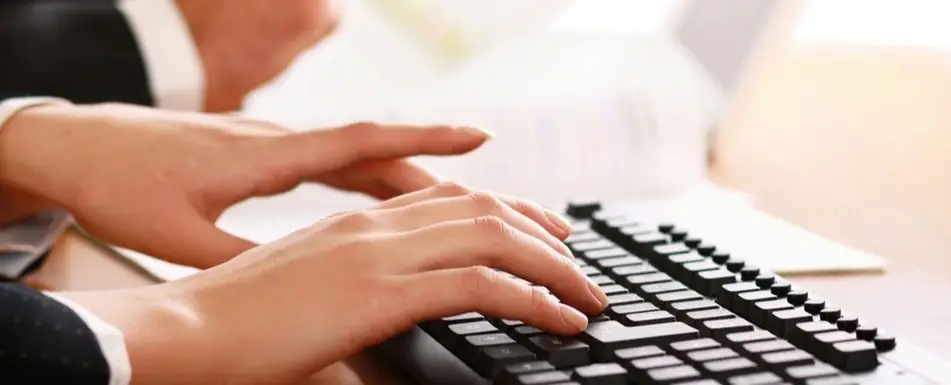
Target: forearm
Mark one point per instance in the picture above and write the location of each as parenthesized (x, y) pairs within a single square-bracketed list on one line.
[(168, 342)]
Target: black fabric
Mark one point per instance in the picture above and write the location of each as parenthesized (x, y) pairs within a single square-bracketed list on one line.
[(81, 50), (44, 342)]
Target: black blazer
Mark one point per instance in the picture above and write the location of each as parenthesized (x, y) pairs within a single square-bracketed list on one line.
[(42, 341), (81, 50)]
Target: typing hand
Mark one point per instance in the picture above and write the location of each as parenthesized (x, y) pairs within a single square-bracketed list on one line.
[(246, 43), (282, 311), (156, 181)]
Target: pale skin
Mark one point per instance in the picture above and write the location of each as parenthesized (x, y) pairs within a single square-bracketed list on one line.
[(260, 314), (246, 43)]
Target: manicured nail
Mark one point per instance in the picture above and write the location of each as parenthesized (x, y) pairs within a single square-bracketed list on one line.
[(477, 131), (597, 293), (558, 221), (573, 317)]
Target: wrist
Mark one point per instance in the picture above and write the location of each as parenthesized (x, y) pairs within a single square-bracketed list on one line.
[(33, 140), (167, 339)]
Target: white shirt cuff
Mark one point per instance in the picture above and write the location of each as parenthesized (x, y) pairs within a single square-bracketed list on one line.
[(172, 61), (10, 107), (110, 339)]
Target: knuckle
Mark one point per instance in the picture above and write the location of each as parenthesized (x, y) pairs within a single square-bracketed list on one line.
[(359, 130), (451, 189), (493, 227), (539, 299), (486, 202), (354, 221), (476, 279)]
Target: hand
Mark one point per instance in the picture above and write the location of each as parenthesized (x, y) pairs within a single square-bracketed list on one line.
[(156, 182), (246, 43), (281, 312)]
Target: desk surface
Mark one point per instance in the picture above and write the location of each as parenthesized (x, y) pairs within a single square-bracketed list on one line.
[(848, 144)]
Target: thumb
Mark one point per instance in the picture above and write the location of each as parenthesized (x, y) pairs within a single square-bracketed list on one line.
[(320, 151), (203, 245)]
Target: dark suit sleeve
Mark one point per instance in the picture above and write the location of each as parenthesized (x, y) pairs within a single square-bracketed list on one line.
[(42, 341), (83, 51)]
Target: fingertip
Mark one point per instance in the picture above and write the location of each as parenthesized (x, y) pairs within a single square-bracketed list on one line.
[(576, 321), (479, 132)]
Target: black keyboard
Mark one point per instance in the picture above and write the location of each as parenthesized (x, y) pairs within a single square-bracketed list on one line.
[(681, 311)]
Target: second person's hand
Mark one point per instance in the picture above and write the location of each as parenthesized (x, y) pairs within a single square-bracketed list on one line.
[(281, 312), (156, 181)]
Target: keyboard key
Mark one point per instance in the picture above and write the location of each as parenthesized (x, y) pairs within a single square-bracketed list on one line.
[(666, 227), (465, 317), (525, 331), (711, 355), (459, 331), (729, 292), (814, 306), (561, 352), (657, 288), (780, 289), (710, 282), (720, 257), (648, 318), (669, 249), (804, 372), (802, 333), (605, 337), (737, 265), (510, 373), (601, 280), (782, 322), (643, 279), (666, 300), (582, 208), (590, 271), (697, 318), (689, 306), (797, 297), (469, 347), (542, 378), (830, 314), (776, 361), (608, 263), (730, 367), (694, 242), (742, 338), (625, 271), (884, 343), (671, 375), (491, 360), (614, 252), (630, 231), (648, 240), (621, 310), (767, 346), (743, 303), (506, 325), (765, 280), (579, 248), (636, 353), (866, 333), (601, 374), (720, 328), (683, 347), (847, 324), (821, 343), (613, 289), (582, 237), (644, 364), (689, 271), (763, 378), (854, 356), (759, 310), (674, 264), (623, 298)]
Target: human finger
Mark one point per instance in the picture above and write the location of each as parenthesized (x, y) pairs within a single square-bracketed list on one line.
[(490, 241), (554, 223), (442, 293), (470, 206)]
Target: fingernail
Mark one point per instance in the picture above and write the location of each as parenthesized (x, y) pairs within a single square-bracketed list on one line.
[(573, 317), (597, 293), (477, 131), (558, 221)]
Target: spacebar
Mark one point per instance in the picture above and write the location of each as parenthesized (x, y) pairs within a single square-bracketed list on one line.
[(605, 337)]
